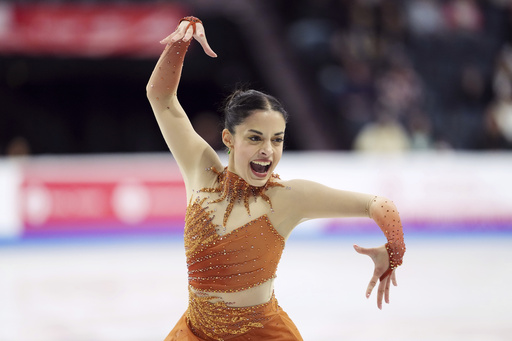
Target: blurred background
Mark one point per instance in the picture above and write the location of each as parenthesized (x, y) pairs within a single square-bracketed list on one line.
[(423, 74), (411, 99)]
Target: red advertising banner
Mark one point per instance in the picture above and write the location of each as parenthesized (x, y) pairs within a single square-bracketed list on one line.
[(102, 198), (86, 29)]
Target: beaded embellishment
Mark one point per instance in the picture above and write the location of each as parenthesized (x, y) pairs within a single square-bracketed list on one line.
[(389, 222), (244, 258), (235, 189), (218, 321)]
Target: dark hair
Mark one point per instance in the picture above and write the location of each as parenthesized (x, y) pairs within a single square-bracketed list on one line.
[(242, 103)]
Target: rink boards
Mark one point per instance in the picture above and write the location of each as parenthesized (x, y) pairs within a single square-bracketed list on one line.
[(118, 195)]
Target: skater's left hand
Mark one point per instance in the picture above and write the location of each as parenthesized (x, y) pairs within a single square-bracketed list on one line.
[(380, 258)]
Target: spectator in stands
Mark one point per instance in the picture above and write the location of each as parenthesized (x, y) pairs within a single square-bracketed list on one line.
[(18, 146), (385, 135), (498, 120), (425, 17)]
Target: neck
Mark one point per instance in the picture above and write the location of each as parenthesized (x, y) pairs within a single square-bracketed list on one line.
[(235, 189)]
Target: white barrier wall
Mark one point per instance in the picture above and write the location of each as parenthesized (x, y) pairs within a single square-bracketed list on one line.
[(10, 182), (144, 193)]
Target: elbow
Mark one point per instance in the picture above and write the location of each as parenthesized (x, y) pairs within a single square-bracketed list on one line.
[(154, 95), (150, 91)]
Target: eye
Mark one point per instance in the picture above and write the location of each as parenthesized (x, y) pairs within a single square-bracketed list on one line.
[(255, 138), (278, 140)]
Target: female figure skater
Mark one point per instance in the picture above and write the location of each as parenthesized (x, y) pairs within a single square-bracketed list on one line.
[(239, 217)]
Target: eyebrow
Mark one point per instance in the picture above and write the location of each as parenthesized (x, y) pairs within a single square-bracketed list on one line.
[(260, 133)]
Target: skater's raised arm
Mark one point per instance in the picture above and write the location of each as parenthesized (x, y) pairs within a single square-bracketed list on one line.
[(190, 150)]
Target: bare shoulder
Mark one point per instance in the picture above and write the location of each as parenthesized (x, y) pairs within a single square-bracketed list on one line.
[(288, 201), (286, 195), (297, 188)]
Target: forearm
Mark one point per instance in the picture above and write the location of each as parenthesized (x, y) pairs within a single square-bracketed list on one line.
[(163, 83), (384, 212)]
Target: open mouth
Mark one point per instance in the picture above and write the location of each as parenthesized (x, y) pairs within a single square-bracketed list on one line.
[(260, 167)]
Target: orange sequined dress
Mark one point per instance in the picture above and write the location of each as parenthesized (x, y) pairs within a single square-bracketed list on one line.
[(241, 259)]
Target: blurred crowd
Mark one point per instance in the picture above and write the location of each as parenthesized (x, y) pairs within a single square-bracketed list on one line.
[(384, 75), (415, 74)]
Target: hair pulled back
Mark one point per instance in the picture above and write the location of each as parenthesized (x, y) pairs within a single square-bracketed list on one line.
[(242, 103)]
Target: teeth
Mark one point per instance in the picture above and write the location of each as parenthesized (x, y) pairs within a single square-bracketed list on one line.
[(261, 163)]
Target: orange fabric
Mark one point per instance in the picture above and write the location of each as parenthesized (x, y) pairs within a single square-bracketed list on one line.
[(277, 327), (166, 76), (244, 258), (233, 188), (241, 259), (385, 214)]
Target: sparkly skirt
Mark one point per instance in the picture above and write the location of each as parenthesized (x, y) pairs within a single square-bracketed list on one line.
[(205, 321)]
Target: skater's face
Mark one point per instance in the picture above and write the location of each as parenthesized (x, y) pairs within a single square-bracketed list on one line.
[(256, 146)]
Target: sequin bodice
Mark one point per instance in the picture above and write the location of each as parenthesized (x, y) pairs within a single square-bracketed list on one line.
[(239, 260)]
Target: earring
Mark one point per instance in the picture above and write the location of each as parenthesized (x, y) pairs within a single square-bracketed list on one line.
[(229, 151)]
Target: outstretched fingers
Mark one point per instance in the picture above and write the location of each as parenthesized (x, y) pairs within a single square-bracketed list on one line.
[(371, 285), (375, 278), (200, 36), (382, 289), (386, 292), (189, 32), (178, 34), (393, 278), (186, 31), (380, 279), (380, 293)]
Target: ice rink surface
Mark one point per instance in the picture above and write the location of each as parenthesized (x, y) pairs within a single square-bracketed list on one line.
[(451, 287)]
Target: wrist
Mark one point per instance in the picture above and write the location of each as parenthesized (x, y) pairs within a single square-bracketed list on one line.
[(192, 21)]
